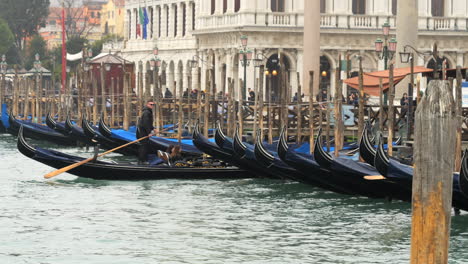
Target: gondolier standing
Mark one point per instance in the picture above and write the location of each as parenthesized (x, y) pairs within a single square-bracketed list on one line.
[(145, 128)]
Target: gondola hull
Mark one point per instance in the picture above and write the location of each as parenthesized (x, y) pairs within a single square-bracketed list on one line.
[(125, 172), (39, 132)]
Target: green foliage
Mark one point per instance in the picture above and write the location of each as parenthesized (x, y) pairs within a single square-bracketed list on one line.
[(6, 37), (36, 45), (76, 44), (24, 17)]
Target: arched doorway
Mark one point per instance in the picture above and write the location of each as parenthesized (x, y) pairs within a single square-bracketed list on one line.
[(278, 71), (325, 74), (432, 64)]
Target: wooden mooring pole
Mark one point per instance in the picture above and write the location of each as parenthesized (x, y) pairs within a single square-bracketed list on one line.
[(458, 114), (361, 100), (432, 181), (338, 112), (311, 111), (391, 114)]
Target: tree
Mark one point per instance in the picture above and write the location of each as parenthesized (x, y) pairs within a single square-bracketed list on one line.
[(6, 37), (77, 21), (24, 17), (37, 45)]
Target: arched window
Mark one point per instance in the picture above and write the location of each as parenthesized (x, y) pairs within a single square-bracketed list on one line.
[(359, 7), (159, 22), (394, 7), (184, 20), (167, 21), (224, 6), (277, 5), (175, 21), (151, 19), (213, 6), (236, 5), (438, 7), (323, 6), (193, 16)]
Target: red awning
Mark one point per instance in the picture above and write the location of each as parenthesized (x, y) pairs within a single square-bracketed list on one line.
[(372, 79)]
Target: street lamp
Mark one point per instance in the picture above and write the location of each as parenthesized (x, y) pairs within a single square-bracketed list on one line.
[(3, 64), (385, 48), (246, 56)]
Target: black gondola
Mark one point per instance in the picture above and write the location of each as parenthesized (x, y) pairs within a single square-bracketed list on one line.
[(463, 181), (59, 127), (104, 129), (100, 170), (366, 148), (381, 160), (245, 155), (306, 164), (2, 127), (210, 148), (352, 174), (403, 175), (77, 132), (37, 131), (107, 143), (274, 163), (219, 135)]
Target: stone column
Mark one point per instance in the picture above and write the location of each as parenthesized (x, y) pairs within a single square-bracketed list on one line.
[(311, 43), (218, 70), (170, 79), (126, 25), (188, 18), (407, 15), (230, 7), (229, 65), (172, 20), (382, 7), (460, 59), (203, 68), (163, 21), (156, 22), (195, 82), (178, 82)]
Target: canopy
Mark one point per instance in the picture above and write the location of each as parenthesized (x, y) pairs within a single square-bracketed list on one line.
[(371, 80)]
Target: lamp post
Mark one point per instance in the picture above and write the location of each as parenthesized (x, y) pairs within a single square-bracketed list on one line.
[(407, 56), (246, 56), (3, 68), (385, 48), (155, 63), (37, 69)]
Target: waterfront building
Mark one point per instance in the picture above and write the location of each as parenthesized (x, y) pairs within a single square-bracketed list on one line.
[(210, 31), (112, 18)]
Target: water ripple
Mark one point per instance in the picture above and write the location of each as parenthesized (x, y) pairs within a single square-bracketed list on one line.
[(75, 220)]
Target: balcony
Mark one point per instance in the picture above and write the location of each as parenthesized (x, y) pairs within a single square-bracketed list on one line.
[(226, 21), (294, 20), (330, 21)]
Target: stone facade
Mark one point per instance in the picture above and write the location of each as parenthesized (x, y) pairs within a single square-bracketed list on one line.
[(210, 30)]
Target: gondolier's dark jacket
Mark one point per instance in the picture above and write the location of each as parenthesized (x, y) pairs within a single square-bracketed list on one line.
[(145, 124)]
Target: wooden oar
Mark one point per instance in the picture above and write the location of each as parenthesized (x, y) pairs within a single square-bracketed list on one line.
[(72, 166)]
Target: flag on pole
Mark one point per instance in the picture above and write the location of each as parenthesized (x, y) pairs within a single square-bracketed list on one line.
[(141, 19), (145, 23)]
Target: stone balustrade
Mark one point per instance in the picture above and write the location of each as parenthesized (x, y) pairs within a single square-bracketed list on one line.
[(327, 21)]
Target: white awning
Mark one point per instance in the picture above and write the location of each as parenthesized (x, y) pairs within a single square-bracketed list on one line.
[(75, 57)]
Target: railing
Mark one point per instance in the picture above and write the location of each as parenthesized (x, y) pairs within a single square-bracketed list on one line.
[(363, 21), (280, 19), (328, 21)]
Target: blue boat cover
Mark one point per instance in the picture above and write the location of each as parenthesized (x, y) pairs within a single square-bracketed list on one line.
[(5, 122)]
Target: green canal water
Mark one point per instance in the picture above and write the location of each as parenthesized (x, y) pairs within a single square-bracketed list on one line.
[(73, 220)]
